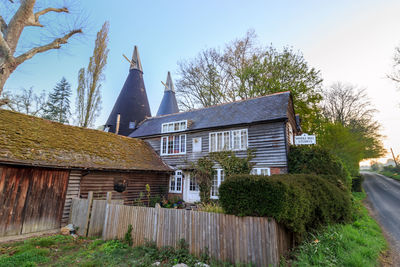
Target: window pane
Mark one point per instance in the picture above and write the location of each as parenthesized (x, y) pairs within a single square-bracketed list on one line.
[(170, 145), (176, 144), (222, 177), (212, 142), (214, 186), (183, 143), (182, 126), (172, 183), (243, 139), (226, 140), (176, 126), (193, 186), (164, 145), (219, 142), (236, 140), (170, 127)]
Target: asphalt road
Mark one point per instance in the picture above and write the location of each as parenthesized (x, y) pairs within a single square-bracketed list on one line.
[(384, 197)]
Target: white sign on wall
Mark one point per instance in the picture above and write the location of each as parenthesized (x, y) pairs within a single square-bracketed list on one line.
[(305, 139)]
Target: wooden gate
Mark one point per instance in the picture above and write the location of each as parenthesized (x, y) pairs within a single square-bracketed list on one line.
[(31, 199)]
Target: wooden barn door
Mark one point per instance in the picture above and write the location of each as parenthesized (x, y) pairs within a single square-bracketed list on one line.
[(31, 199)]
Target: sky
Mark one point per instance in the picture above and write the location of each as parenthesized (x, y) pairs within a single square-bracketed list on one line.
[(348, 41)]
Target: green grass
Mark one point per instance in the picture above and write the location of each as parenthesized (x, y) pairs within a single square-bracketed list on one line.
[(357, 244), (64, 251), (390, 174)]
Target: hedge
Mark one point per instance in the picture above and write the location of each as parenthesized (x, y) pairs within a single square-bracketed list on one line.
[(299, 201), (317, 160), (356, 183)]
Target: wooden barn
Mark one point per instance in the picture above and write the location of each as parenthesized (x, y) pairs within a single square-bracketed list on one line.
[(44, 164)]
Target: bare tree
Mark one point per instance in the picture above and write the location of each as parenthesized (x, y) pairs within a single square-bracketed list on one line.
[(244, 69), (350, 106), (88, 100), (26, 14), (27, 102)]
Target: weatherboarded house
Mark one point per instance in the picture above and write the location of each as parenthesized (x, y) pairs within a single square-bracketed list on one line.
[(44, 164)]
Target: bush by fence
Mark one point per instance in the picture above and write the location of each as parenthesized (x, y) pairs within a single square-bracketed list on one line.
[(299, 201), (317, 160)]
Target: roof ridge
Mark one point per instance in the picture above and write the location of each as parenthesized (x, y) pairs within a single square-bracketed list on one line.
[(217, 105)]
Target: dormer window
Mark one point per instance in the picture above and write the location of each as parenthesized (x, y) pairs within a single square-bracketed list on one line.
[(176, 126)]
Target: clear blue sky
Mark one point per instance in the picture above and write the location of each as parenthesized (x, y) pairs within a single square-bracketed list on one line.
[(350, 41)]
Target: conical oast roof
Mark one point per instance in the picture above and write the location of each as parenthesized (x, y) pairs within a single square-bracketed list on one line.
[(132, 103), (168, 103)]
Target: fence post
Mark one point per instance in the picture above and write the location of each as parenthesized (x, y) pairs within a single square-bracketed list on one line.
[(108, 202), (90, 201)]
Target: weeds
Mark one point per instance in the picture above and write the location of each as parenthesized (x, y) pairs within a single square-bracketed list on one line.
[(355, 244)]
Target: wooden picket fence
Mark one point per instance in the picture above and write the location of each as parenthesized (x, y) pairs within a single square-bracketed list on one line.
[(258, 240)]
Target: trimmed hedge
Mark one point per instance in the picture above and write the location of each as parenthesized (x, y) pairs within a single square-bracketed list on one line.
[(299, 201), (317, 160)]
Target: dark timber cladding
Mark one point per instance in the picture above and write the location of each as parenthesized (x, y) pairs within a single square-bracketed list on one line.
[(31, 199), (132, 104)]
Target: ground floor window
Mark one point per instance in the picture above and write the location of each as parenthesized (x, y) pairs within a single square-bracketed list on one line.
[(193, 186), (261, 171), (218, 178), (175, 182)]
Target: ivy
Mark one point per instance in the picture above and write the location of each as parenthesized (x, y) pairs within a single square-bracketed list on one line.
[(232, 164), (203, 171)]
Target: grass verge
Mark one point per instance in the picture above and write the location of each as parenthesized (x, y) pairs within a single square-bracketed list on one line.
[(390, 174), (64, 251), (357, 244)]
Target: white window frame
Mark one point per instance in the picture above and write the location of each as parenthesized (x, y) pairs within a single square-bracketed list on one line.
[(170, 127), (181, 148), (173, 183), (223, 145), (231, 134), (259, 171), (241, 147), (193, 184), (218, 178)]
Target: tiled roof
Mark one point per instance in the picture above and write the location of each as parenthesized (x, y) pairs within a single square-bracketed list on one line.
[(265, 108), (29, 140)]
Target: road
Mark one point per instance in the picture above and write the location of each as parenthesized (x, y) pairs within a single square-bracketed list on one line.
[(384, 197)]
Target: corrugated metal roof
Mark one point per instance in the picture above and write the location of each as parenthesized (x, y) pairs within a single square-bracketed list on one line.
[(29, 140), (270, 107)]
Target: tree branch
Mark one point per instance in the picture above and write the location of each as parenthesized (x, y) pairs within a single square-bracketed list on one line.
[(50, 9), (5, 51), (56, 44), (3, 25)]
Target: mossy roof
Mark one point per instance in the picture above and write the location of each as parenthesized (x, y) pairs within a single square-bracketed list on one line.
[(30, 140)]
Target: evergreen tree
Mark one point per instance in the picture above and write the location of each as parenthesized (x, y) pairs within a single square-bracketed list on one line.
[(57, 107)]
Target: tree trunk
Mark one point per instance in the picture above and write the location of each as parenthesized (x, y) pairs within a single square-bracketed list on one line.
[(5, 72)]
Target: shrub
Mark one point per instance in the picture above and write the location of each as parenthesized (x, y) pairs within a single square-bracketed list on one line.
[(356, 183), (317, 160), (299, 201)]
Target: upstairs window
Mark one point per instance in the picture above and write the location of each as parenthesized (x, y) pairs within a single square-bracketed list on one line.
[(239, 139), (220, 141), (229, 140), (173, 144), (176, 126)]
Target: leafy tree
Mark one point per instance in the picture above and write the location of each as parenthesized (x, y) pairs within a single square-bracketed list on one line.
[(27, 102), (57, 106), (14, 18), (349, 117), (245, 70), (88, 101)]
